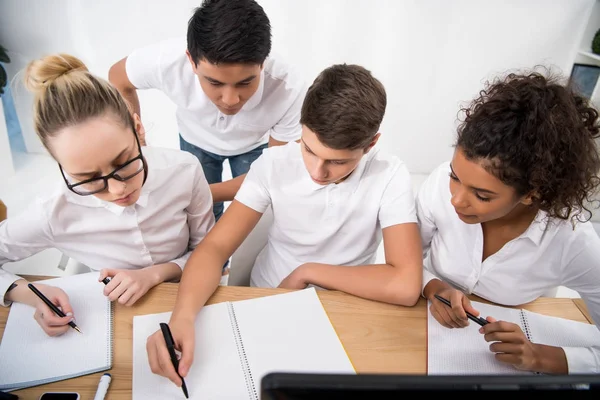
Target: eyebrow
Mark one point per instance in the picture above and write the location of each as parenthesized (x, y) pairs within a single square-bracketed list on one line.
[(247, 80), (113, 162), (473, 187), (333, 159)]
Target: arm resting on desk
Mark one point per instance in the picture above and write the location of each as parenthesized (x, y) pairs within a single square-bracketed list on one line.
[(397, 282)]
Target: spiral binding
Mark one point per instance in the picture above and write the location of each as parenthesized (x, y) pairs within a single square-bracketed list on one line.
[(251, 387), (525, 325), (111, 324)]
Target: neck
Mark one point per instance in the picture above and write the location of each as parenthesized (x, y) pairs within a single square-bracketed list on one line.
[(521, 215)]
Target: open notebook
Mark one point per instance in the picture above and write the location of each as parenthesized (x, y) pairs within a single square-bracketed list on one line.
[(237, 343), (28, 357), (464, 351)]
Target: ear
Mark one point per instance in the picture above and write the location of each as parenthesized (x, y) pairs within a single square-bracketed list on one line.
[(373, 143), (191, 60), (139, 129), (530, 198)]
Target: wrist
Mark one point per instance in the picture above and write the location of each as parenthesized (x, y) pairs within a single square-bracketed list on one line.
[(304, 273), (20, 293), (549, 359), (433, 287)]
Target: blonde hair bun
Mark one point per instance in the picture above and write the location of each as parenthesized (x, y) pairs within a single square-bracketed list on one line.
[(43, 72)]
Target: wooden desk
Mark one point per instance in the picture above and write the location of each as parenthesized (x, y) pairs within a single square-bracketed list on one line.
[(378, 337)]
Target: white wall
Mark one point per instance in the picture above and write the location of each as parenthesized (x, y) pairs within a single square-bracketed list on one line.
[(430, 54)]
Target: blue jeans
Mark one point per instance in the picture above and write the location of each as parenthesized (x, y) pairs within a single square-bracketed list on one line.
[(212, 164)]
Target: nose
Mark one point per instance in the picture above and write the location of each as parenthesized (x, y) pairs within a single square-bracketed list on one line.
[(115, 187), (319, 170), (458, 199), (230, 97)]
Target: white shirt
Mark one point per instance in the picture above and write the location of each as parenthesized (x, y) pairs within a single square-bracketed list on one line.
[(545, 256), (337, 224), (274, 110), (172, 215)]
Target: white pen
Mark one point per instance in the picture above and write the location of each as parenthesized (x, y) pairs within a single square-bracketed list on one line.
[(103, 386)]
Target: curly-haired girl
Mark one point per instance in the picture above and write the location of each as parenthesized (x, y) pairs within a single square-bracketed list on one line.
[(506, 219)]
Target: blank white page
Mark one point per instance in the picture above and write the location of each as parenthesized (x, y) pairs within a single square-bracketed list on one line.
[(216, 372), (28, 357), (461, 351), (289, 332), (561, 332)]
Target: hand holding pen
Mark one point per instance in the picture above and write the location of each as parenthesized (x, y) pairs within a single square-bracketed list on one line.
[(453, 309), (54, 313)]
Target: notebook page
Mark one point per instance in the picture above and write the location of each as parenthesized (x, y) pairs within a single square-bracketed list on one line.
[(289, 332), (216, 372), (555, 331), (29, 357), (462, 351)]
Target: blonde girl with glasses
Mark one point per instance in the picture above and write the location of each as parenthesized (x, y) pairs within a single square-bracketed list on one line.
[(133, 213)]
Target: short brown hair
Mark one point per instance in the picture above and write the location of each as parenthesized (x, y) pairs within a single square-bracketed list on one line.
[(344, 107)]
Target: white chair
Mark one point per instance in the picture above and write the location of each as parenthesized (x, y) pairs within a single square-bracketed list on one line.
[(243, 258)]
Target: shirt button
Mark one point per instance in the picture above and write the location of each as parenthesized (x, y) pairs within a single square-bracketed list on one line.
[(221, 118)]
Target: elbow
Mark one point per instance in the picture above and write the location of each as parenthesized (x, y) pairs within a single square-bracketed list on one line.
[(405, 291)]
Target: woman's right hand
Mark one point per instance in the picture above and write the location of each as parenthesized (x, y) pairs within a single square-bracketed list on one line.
[(51, 323), (183, 332), (455, 316)]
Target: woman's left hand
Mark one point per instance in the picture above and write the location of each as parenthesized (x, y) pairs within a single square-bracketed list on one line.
[(510, 344), (128, 285)]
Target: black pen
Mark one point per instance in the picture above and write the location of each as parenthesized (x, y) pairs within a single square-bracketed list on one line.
[(106, 280), (479, 320), (56, 310), (171, 347)]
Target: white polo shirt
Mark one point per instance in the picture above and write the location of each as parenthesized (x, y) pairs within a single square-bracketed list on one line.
[(274, 110), (337, 224), (545, 256), (171, 216)]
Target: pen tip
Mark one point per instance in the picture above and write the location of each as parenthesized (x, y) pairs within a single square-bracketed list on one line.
[(78, 330)]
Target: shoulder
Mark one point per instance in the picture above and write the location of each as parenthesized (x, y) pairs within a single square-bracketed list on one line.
[(279, 161), (288, 151), (161, 158), (281, 75)]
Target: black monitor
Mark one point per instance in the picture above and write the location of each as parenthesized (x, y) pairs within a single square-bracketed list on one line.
[(293, 386)]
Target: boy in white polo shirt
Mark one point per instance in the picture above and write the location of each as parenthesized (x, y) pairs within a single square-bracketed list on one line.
[(232, 97), (333, 196)]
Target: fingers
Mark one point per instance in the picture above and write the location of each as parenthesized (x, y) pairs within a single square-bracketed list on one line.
[(468, 307), (443, 315), (45, 320), (159, 358), (116, 287), (107, 273), (187, 355), (459, 315), (61, 300)]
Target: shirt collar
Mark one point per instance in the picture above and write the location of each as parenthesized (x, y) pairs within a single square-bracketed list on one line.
[(536, 230)]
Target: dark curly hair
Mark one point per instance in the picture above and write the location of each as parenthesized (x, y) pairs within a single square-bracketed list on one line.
[(537, 136)]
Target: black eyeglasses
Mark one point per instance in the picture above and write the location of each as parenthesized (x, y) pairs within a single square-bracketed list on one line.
[(96, 185)]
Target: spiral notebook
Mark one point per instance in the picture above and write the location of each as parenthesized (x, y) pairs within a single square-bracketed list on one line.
[(464, 351), (28, 357), (237, 343)]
